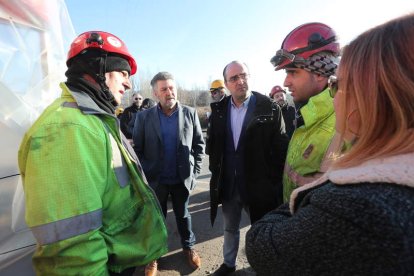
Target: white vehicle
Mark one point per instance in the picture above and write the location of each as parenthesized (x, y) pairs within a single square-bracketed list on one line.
[(34, 38)]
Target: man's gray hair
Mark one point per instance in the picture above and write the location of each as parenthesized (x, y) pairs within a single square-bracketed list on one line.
[(136, 93), (161, 76)]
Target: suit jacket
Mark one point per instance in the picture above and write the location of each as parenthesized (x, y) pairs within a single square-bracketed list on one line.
[(265, 146), (148, 145)]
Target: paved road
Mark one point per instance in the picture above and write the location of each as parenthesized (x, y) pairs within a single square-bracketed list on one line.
[(209, 239)]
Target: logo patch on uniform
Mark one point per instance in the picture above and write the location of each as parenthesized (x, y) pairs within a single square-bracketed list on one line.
[(308, 151), (114, 41)]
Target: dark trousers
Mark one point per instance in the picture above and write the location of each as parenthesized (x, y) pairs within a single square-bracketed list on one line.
[(127, 272), (180, 198)]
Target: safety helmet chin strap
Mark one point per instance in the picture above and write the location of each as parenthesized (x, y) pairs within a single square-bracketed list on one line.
[(89, 69), (96, 38), (100, 78)]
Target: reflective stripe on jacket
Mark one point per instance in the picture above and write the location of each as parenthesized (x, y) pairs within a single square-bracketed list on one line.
[(80, 201), (309, 143)]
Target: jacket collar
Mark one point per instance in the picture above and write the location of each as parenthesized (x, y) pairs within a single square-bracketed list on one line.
[(317, 108), (84, 102), (397, 170), (154, 113)]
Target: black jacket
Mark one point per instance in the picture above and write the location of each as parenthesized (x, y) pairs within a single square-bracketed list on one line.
[(352, 224), (126, 117), (264, 155)]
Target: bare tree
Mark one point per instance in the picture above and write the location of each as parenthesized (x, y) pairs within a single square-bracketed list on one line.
[(145, 77), (203, 98)]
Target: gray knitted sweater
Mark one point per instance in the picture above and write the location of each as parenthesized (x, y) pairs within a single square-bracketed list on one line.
[(356, 221)]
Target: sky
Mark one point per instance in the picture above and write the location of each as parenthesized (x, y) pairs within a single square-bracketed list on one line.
[(194, 39)]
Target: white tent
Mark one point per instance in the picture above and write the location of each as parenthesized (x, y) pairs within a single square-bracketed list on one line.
[(34, 39)]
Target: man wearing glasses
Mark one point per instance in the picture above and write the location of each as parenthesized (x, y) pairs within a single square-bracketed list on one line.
[(217, 90), (247, 148), (309, 57), (129, 113)]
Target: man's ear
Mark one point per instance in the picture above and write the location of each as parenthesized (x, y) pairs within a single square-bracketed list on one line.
[(321, 80)]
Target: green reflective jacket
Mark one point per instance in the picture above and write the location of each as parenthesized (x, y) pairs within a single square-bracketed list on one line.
[(309, 143), (87, 200)]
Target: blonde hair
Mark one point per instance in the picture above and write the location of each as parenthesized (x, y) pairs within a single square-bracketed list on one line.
[(377, 72)]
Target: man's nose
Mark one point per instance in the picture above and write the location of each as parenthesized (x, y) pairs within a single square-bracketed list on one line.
[(169, 92), (127, 83), (286, 82)]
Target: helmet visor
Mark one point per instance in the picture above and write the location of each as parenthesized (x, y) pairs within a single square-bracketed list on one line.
[(281, 56), (284, 57)]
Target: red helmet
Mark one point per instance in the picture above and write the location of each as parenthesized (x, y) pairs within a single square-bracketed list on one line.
[(101, 40), (275, 90), (303, 42)]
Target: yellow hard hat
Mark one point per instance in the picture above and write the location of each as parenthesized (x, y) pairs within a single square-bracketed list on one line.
[(118, 111), (216, 84)]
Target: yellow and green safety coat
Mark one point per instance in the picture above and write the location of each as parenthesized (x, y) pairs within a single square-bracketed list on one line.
[(87, 200), (309, 143)]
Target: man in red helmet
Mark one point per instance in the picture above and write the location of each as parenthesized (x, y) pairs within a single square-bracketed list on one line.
[(278, 95), (309, 56), (87, 200)]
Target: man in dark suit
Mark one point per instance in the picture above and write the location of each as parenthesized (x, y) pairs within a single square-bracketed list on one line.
[(129, 113), (247, 149), (169, 143)]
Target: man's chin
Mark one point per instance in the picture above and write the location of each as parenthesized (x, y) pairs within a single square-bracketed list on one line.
[(171, 104), (116, 102)]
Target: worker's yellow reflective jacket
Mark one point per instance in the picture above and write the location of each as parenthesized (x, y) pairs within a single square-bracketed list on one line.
[(309, 143), (87, 200)]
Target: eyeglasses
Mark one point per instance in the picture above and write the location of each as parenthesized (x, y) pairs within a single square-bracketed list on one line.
[(138, 99), (333, 86), (282, 55), (216, 91), (242, 76)]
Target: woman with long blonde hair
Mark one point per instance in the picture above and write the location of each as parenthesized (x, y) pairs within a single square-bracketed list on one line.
[(359, 218)]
